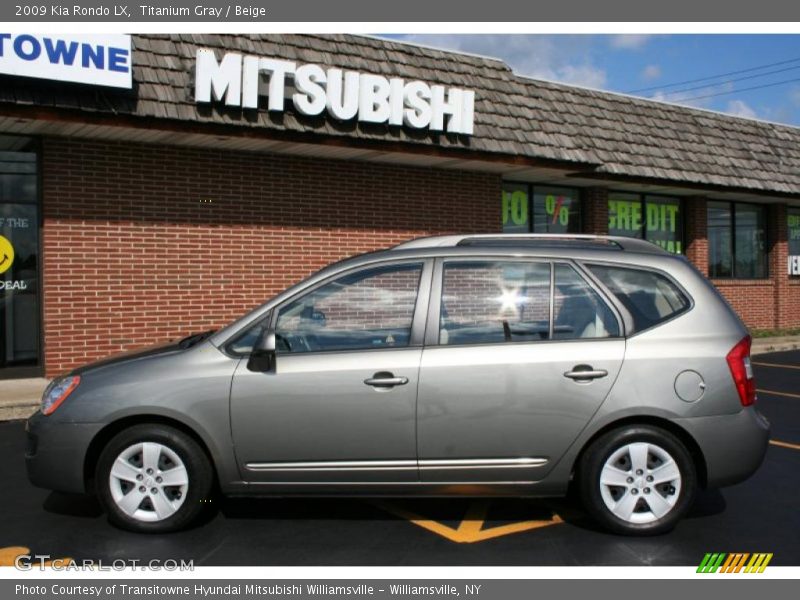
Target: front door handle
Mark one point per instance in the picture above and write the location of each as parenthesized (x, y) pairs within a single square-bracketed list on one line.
[(585, 373), (384, 379)]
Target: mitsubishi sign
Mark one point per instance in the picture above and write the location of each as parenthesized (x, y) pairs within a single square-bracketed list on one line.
[(344, 95)]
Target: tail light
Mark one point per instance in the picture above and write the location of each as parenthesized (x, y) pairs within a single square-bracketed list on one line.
[(742, 371)]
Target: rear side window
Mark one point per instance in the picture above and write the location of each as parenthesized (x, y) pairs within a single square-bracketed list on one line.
[(579, 311), (494, 302), (649, 297)]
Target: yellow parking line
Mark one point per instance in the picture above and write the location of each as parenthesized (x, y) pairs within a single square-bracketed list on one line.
[(773, 393), (470, 530), (785, 444), (778, 365)]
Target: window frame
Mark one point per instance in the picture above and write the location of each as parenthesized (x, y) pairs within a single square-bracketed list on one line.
[(732, 207), (416, 334), (642, 197), (437, 284), (531, 190)]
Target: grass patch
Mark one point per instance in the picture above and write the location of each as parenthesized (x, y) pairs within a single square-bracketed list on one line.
[(764, 333)]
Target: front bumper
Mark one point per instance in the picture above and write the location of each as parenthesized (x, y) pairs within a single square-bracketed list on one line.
[(733, 446), (56, 453)]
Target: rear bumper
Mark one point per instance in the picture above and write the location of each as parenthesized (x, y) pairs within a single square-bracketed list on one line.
[(733, 446), (56, 452)]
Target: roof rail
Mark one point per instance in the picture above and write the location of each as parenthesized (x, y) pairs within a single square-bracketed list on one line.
[(566, 240)]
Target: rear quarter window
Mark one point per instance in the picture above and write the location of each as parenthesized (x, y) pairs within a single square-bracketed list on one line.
[(650, 298)]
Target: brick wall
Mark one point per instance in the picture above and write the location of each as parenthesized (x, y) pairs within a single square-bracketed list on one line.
[(764, 303), (696, 231), (595, 211), (149, 243)]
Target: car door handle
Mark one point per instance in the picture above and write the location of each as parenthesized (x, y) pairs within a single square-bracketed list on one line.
[(585, 373), (382, 380)]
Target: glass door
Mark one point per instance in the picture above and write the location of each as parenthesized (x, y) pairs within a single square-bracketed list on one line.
[(19, 259)]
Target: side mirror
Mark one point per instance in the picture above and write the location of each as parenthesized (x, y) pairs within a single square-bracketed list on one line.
[(262, 357)]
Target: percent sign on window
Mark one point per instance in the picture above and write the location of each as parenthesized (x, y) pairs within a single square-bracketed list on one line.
[(557, 208)]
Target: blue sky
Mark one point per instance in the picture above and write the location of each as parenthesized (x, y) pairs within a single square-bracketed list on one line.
[(625, 63)]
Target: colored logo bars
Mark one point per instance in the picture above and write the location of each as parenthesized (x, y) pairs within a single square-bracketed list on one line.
[(734, 562)]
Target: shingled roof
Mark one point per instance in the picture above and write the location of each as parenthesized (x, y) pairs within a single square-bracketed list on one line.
[(602, 133)]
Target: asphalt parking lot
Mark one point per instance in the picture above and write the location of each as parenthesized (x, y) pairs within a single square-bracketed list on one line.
[(760, 515)]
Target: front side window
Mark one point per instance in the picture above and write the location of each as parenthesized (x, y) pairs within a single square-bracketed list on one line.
[(737, 240), (540, 209), (366, 310), (649, 297)]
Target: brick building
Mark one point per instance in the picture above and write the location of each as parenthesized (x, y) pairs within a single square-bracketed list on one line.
[(137, 213)]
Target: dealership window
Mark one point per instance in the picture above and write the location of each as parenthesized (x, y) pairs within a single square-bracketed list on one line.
[(737, 240), (794, 231), (19, 256), (540, 209), (657, 219)]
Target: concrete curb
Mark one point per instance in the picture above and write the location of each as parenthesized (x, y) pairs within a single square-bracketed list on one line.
[(770, 345), (20, 398), (15, 413)]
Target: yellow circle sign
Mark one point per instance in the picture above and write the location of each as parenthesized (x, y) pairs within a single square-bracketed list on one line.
[(6, 254)]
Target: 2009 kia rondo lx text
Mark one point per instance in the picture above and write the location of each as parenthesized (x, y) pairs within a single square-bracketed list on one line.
[(513, 365)]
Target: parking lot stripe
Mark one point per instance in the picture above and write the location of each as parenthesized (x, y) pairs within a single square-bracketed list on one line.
[(778, 365), (470, 530), (785, 444), (774, 393)]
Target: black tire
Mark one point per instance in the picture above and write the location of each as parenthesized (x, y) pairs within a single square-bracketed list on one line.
[(592, 494), (193, 503)]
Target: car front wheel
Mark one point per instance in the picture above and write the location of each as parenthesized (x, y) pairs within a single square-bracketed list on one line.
[(637, 480), (153, 478)]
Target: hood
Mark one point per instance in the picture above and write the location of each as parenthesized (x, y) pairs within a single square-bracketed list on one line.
[(155, 350)]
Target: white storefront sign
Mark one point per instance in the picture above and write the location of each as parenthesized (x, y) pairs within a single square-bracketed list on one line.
[(794, 265), (86, 58), (345, 95)]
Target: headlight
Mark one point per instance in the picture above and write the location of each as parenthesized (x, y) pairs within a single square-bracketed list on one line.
[(57, 392)]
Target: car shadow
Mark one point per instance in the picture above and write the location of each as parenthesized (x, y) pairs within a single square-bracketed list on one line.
[(73, 505), (450, 511)]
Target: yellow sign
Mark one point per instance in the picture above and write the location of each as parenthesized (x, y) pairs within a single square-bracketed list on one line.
[(6, 254)]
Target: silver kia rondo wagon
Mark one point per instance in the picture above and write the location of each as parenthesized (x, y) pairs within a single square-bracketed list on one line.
[(519, 365)]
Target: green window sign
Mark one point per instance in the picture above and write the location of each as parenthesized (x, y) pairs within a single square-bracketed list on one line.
[(516, 210), (794, 231), (657, 219), (540, 209)]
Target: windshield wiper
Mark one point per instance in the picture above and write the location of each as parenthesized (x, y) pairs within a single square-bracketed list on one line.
[(195, 338)]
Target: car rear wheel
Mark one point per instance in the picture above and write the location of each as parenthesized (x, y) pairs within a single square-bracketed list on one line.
[(637, 480), (153, 478)]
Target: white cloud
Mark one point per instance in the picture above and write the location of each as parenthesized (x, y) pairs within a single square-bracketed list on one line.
[(651, 72), (565, 58), (794, 96), (740, 108), (684, 99), (629, 41), (584, 75)]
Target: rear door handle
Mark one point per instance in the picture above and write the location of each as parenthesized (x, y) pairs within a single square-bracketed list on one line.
[(385, 380), (585, 373)]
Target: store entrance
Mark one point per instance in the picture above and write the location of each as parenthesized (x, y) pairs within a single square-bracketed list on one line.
[(20, 337)]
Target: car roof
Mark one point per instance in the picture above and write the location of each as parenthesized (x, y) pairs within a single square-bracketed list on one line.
[(531, 240)]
